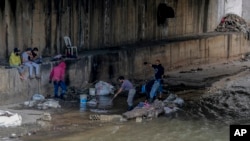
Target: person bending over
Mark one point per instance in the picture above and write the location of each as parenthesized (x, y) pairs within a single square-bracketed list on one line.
[(126, 85)]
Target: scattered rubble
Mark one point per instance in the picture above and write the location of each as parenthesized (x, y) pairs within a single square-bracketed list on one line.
[(192, 70), (143, 110), (104, 88), (42, 104), (105, 117), (233, 23), (170, 105), (44, 121)]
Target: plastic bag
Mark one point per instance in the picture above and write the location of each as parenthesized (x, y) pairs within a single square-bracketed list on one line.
[(8, 119), (52, 104), (179, 101), (38, 97), (103, 88), (169, 110)]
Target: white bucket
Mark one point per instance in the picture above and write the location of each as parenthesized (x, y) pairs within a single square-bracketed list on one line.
[(83, 99), (92, 91)]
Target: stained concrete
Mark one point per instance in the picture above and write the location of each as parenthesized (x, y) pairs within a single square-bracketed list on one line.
[(108, 64), (99, 24)]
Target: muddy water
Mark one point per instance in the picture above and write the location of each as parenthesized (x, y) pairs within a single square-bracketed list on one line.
[(205, 119), (160, 129)]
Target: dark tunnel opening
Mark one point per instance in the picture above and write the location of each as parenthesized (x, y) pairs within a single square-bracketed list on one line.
[(164, 12)]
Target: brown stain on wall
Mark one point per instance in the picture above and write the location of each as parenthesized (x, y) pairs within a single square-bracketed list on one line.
[(93, 24)]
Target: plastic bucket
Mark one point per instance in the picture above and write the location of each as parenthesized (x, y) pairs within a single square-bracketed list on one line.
[(92, 91), (83, 102), (83, 99), (83, 107)]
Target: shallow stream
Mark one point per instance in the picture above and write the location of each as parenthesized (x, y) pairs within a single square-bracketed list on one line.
[(205, 119)]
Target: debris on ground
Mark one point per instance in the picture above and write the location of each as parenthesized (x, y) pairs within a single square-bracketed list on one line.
[(104, 88), (192, 70), (44, 121), (233, 23), (173, 103), (146, 110), (8, 119), (106, 117), (92, 102), (39, 102), (170, 105)]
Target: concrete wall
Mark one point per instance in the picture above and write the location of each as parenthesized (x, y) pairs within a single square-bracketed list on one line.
[(246, 10), (108, 64), (239, 7), (115, 37), (95, 24), (233, 6)]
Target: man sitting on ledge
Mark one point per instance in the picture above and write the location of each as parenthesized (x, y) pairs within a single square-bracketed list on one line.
[(30, 64), (15, 62)]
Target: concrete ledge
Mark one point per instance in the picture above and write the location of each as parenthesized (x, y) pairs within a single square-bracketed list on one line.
[(107, 64)]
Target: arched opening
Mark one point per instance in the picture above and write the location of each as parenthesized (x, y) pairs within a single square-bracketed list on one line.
[(164, 12)]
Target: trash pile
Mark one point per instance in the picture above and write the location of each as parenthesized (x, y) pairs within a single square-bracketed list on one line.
[(170, 105), (96, 95), (100, 88), (104, 88), (233, 23), (38, 101), (99, 95), (8, 119)]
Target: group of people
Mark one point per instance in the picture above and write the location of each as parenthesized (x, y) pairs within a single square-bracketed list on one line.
[(126, 85), (30, 59), (27, 59)]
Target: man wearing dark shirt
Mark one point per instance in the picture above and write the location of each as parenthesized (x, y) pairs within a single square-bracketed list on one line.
[(34, 56), (158, 74)]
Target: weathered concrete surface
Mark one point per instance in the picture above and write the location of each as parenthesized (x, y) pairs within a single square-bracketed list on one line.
[(245, 12), (233, 6), (107, 65), (204, 76), (95, 24)]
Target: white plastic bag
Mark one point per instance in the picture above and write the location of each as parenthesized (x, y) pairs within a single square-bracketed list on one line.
[(38, 97), (170, 98), (179, 101), (103, 88), (169, 110), (52, 103), (8, 119), (92, 102)]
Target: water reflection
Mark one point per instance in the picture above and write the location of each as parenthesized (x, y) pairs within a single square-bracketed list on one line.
[(160, 129), (103, 104)]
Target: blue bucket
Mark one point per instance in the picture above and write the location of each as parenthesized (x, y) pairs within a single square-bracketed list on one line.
[(83, 102), (83, 99), (83, 107)]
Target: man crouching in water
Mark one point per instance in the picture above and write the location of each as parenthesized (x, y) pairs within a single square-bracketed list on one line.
[(127, 86)]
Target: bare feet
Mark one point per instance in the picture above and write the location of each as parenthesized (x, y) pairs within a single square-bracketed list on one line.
[(22, 77)]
